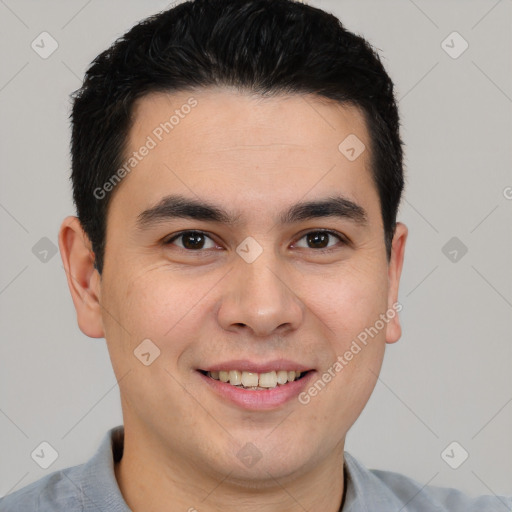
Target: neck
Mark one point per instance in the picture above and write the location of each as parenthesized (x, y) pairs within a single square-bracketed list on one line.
[(151, 480)]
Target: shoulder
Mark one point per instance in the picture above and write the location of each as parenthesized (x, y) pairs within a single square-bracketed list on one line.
[(399, 490), (87, 487), (60, 490), (429, 497)]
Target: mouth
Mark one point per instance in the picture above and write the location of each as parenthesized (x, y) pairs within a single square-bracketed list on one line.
[(268, 389), (256, 381)]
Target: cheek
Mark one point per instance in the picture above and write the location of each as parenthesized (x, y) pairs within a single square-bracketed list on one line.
[(171, 308), (360, 329), (351, 299), (157, 304), (154, 307), (351, 307)]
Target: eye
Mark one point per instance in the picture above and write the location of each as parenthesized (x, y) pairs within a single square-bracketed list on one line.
[(191, 240), (320, 240)]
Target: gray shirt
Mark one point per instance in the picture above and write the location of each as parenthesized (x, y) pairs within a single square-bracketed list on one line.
[(92, 487)]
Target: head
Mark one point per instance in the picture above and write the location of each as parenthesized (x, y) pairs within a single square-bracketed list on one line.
[(195, 137), (286, 48)]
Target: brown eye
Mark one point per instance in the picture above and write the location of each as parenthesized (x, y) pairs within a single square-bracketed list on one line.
[(320, 239), (191, 240)]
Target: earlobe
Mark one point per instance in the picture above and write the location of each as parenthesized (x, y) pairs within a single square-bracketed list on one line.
[(83, 279), (393, 329)]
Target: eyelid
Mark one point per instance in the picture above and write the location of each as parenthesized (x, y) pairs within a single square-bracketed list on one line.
[(171, 238), (342, 238)]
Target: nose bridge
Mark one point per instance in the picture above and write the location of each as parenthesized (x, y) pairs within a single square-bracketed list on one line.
[(260, 297)]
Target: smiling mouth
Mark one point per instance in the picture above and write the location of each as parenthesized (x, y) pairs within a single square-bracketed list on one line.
[(255, 381)]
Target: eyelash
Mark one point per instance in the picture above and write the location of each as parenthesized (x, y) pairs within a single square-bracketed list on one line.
[(340, 237)]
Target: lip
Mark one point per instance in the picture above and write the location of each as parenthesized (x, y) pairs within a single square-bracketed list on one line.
[(245, 365), (258, 400)]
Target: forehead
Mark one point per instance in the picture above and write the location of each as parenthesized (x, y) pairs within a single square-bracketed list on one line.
[(308, 121), (246, 151)]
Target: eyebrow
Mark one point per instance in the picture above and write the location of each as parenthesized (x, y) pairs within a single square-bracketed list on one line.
[(178, 206)]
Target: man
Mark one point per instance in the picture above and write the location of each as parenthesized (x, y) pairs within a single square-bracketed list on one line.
[(237, 171)]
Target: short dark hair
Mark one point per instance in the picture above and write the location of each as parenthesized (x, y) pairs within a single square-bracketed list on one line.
[(258, 46)]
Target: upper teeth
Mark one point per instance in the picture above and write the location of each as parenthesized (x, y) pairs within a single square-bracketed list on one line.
[(250, 379)]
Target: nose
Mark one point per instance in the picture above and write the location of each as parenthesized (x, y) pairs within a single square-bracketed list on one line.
[(259, 297)]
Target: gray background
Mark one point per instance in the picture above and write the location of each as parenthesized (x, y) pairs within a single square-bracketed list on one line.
[(448, 379)]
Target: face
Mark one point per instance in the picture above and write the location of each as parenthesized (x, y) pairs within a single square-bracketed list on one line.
[(241, 285)]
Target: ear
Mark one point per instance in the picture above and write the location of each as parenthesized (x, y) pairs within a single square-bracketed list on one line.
[(393, 329), (84, 281)]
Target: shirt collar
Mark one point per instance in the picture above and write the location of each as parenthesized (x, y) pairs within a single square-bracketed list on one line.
[(99, 489), (365, 492)]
